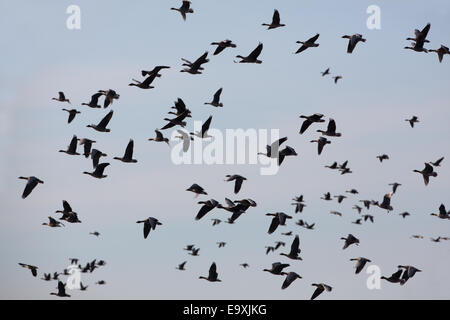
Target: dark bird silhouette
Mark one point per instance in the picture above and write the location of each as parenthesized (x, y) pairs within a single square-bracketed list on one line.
[(412, 121), (279, 218), (395, 186), (443, 214), (87, 143), (110, 95), (395, 277), (443, 50), (321, 142), (207, 207), (437, 163), (351, 239), (295, 250), (72, 148), (253, 56), (101, 126), (336, 79), (33, 269), (238, 180), (409, 272), (277, 268), (360, 263), (184, 9), (317, 117), (420, 36), (31, 184), (61, 290), (128, 156), (181, 266), (386, 204), (61, 97), (95, 156), (222, 45), (149, 224), (94, 101), (383, 157), (154, 71), (146, 84), (353, 41), (310, 43), (326, 72), (72, 114), (159, 137), (427, 172), (177, 121), (205, 127), (273, 149), (98, 172), (52, 223), (216, 100), (331, 130), (404, 214), (320, 287), (213, 275), (275, 21), (290, 277), (196, 66), (195, 188)]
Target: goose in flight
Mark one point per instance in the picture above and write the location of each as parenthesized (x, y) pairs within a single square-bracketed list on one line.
[(31, 184), (438, 162), (160, 137), (181, 266), (395, 277), (180, 107), (87, 146), (412, 121), (409, 272), (67, 209), (420, 36), (386, 204), (72, 114), (279, 218), (196, 66), (149, 224), (244, 265), (238, 180), (146, 84), (194, 252), (184, 9), (367, 203), (305, 225), (299, 205), (221, 244), (95, 233), (95, 156), (61, 290), (216, 100), (353, 41), (340, 198), (395, 186), (441, 52), (207, 207), (61, 97), (101, 126), (333, 166), (33, 269), (47, 277), (216, 222), (237, 208), (383, 157), (98, 172), (351, 239), (128, 156), (277, 268), (52, 223), (205, 127), (443, 214), (360, 263), (417, 236), (154, 71), (357, 221), (110, 95), (331, 130), (72, 148), (336, 79), (177, 121), (288, 151), (273, 149), (295, 250), (94, 101), (326, 196), (415, 46), (320, 287), (357, 208), (195, 188), (427, 172), (326, 72), (404, 214), (317, 117), (222, 45), (213, 275), (189, 247), (290, 277), (321, 142), (336, 213), (275, 21), (279, 244), (310, 43), (253, 56), (352, 191)]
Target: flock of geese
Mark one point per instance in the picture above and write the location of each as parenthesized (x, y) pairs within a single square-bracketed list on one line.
[(237, 208)]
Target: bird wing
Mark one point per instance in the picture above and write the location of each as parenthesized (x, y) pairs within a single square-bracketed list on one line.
[(73, 144), (213, 271), (100, 168), (274, 225), (203, 211), (313, 39), (205, 126), (66, 206), (237, 185), (301, 49), (317, 292), (149, 79), (147, 229), (305, 126), (255, 53), (217, 96), (295, 246), (276, 18), (129, 150), (218, 50), (331, 126), (106, 120), (289, 279), (71, 117), (31, 184)]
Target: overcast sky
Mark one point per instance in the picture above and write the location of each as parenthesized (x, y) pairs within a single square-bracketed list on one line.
[(382, 85)]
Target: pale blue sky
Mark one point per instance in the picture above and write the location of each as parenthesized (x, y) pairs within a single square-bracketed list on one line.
[(382, 85)]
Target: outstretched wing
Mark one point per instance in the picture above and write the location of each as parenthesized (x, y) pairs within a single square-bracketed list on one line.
[(255, 53), (106, 120)]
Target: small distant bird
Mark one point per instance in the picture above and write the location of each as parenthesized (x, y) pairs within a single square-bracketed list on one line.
[(253, 56), (94, 101), (352, 191), (326, 196), (204, 132), (160, 137), (331, 130), (288, 234), (275, 21), (47, 277), (177, 121), (368, 217), (184, 9), (154, 71), (340, 198), (221, 244), (72, 114), (395, 277), (295, 250), (222, 45), (420, 37), (186, 137), (52, 223), (277, 268), (417, 236), (383, 157), (181, 266), (279, 218), (321, 142), (216, 99), (336, 79), (358, 208), (195, 188), (317, 117), (216, 222), (95, 233), (353, 41), (72, 148), (395, 185), (196, 66), (101, 126), (269, 249), (213, 275), (438, 162), (101, 282), (207, 207), (238, 180), (386, 204), (443, 214), (351, 239), (438, 239), (61, 290), (98, 172), (290, 277), (357, 221), (189, 247), (110, 95), (324, 73), (427, 172), (361, 262), (336, 213), (31, 184), (244, 265), (404, 214), (366, 203), (146, 84), (412, 121), (310, 43), (149, 224), (82, 287), (441, 52), (333, 166), (30, 267), (321, 287), (279, 244), (194, 252), (128, 156), (61, 97)]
